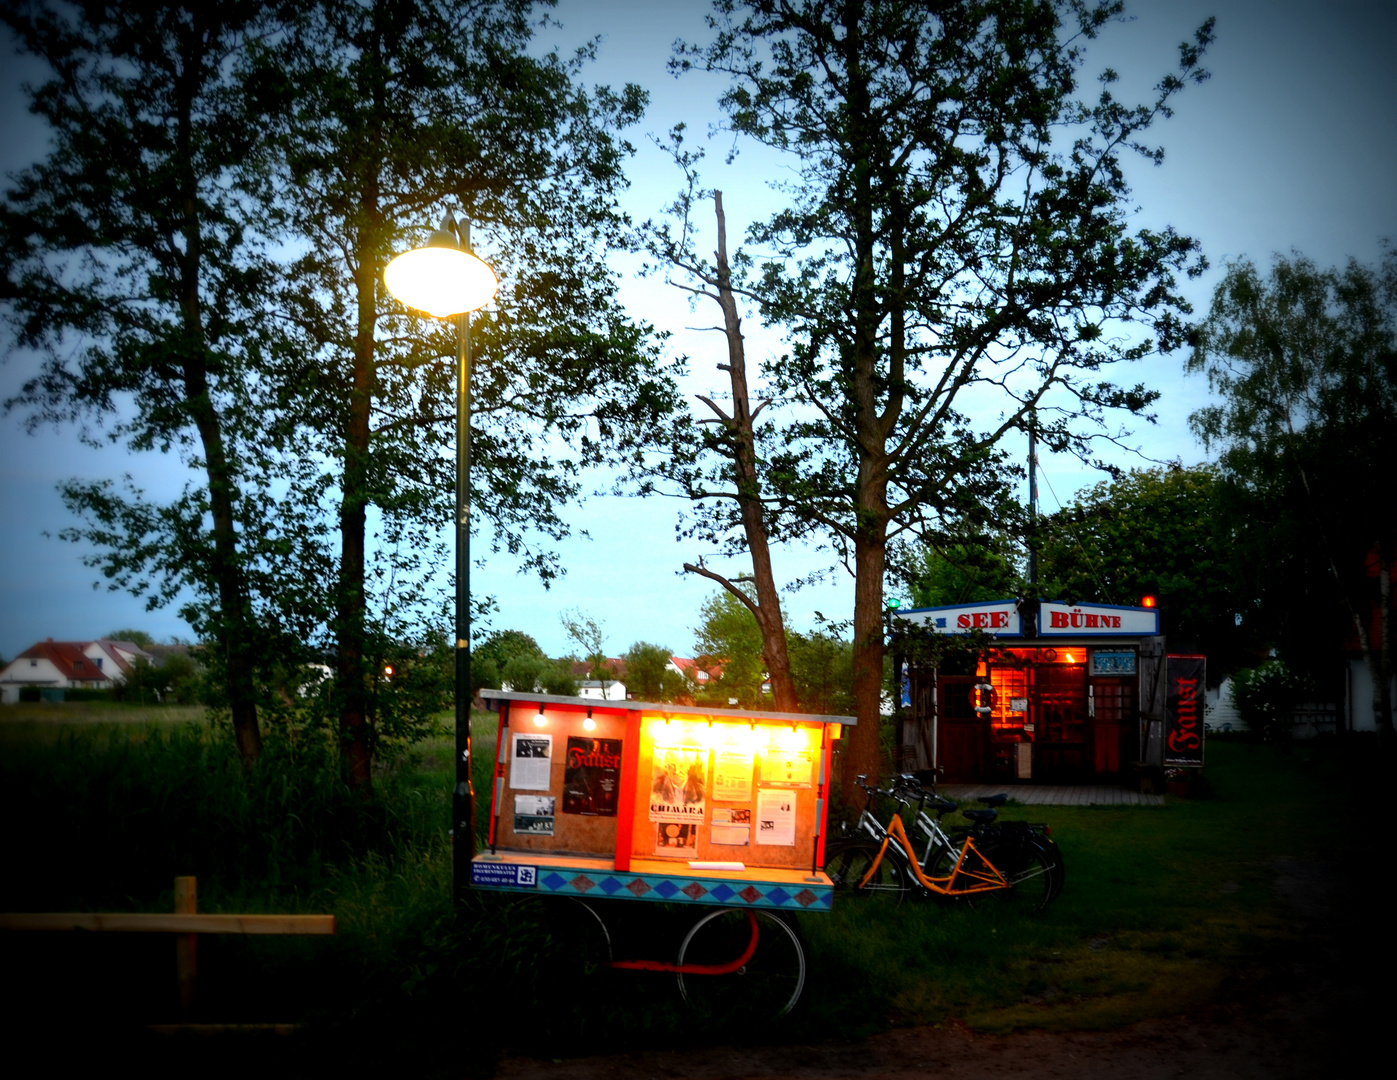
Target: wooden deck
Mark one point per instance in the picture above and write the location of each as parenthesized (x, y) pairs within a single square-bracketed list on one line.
[(1053, 794)]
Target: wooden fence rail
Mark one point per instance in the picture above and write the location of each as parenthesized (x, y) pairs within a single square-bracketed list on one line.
[(186, 922)]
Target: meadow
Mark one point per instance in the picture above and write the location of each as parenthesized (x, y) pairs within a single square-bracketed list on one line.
[(1166, 910)]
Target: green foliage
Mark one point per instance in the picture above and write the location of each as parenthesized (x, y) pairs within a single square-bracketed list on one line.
[(492, 656), (728, 635), (964, 573), (649, 676), (1303, 368), (1170, 533), (822, 667), (135, 637), (557, 678), (589, 636), (958, 224), (1266, 697), (137, 270)]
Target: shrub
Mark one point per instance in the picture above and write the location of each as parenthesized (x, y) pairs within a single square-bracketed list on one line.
[(1266, 697)]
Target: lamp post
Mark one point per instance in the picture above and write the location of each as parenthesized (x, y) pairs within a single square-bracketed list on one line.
[(445, 279)]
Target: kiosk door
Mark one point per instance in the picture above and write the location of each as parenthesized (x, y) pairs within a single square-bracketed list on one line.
[(1110, 724), (961, 731), (1060, 705)]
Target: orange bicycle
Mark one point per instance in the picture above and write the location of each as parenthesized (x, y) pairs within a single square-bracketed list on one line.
[(1008, 862)]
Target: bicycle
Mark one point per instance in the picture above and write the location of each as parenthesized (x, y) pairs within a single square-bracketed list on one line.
[(1009, 862), (1023, 850)]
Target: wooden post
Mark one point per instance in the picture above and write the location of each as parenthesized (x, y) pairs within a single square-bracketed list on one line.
[(186, 945)]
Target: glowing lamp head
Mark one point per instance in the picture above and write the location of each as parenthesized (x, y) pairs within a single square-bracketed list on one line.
[(441, 279), (1147, 601)]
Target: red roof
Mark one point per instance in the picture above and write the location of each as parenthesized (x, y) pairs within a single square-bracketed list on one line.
[(68, 658)]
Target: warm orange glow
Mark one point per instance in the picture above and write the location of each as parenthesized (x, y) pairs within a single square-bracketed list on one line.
[(1147, 601), (540, 720), (589, 724)]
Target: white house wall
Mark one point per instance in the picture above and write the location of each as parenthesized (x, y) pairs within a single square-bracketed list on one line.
[(1360, 697)]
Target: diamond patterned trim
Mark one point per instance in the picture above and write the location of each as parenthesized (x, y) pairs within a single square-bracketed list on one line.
[(675, 888)]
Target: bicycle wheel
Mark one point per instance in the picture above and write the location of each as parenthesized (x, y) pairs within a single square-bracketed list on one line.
[(1030, 869), (848, 864), (764, 989)]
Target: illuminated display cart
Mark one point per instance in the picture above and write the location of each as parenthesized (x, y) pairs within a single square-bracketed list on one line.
[(685, 805)]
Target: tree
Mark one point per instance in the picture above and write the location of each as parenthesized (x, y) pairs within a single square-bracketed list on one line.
[(822, 668), (135, 637), (1303, 366), (1168, 533), (648, 674), (391, 112), (728, 637), (727, 436), (587, 632), (963, 573), (134, 266), (956, 242), (492, 656)]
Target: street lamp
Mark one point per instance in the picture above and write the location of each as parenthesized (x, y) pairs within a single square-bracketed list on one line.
[(445, 279)]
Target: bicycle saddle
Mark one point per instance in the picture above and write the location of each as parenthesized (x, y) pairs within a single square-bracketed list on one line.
[(980, 817), (994, 800)]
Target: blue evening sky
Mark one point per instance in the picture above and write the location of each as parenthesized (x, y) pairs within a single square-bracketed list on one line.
[(1292, 145)]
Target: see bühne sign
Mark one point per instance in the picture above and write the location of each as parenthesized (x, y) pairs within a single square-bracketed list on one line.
[(1001, 618), (1106, 619)]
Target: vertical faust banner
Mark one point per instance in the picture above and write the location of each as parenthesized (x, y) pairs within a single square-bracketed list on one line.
[(1183, 707)]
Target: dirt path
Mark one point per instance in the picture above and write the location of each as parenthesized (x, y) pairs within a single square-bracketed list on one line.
[(1323, 1017)]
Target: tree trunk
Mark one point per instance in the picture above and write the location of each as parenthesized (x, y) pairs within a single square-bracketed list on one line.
[(863, 747), (351, 599), (233, 628), (1382, 672), (744, 452)]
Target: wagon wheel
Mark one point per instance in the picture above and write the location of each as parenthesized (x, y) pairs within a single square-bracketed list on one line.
[(581, 942), (765, 987)]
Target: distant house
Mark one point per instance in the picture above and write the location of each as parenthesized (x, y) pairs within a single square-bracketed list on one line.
[(604, 689), (52, 667), (697, 676)]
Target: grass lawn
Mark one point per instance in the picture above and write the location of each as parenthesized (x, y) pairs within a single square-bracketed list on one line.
[(1166, 909)]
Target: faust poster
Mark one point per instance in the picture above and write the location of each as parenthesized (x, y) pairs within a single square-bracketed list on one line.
[(591, 773), (1183, 709)]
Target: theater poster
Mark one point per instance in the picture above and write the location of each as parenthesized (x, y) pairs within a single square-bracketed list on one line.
[(591, 774), (1183, 711)]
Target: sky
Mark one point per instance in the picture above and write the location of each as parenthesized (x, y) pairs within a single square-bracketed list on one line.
[(1290, 146)]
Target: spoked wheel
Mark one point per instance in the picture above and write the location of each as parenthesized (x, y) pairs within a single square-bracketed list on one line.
[(848, 865), (582, 938), (765, 987), (1031, 870)]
